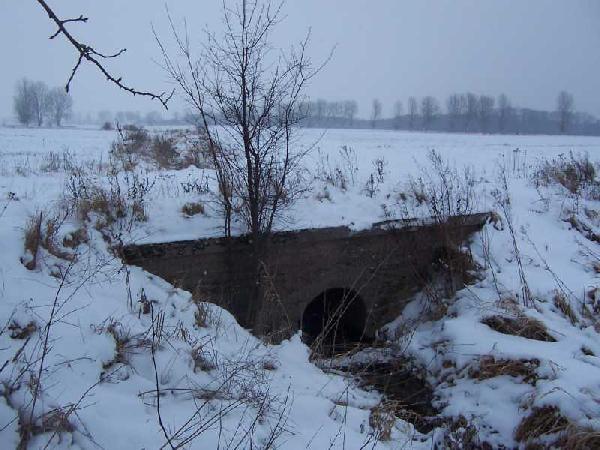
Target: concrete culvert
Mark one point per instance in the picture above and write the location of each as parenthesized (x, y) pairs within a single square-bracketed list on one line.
[(334, 320)]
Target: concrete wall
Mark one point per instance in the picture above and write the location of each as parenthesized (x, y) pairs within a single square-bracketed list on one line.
[(384, 266)]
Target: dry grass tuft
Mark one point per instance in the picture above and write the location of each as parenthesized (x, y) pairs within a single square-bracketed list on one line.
[(562, 304), (382, 420), (55, 421), (490, 367), (521, 326), (580, 439), (202, 362), (192, 208), (576, 173), (75, 238), (18, 331), (33, 237), (542, 421)]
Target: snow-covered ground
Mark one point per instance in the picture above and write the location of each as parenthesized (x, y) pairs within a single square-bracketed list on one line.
[(95, 385)]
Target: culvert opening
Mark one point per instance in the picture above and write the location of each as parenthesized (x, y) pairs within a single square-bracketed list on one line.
[(334, 321)]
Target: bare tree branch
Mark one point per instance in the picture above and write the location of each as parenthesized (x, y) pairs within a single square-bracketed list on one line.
[(88, 53)]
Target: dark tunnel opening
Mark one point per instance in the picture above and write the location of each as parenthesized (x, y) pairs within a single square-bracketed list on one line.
[(334, 320)]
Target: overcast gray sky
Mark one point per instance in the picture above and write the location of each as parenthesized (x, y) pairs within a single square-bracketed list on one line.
[(389, 49)]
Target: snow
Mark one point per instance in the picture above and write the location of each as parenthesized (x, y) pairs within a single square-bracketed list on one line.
[(114, 402)]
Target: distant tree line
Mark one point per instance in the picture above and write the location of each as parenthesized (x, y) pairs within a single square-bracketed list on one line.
[(36, 104), (464, 113)]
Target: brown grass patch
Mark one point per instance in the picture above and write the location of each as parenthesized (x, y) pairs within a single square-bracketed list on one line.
[(192, 208), (542, 421), (522, 326), (33, 237), (382, 420), (563, 305), (490, 367), (18, 331), (580, 439)]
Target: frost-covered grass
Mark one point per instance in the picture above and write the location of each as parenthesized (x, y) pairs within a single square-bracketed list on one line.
[(104, 326)]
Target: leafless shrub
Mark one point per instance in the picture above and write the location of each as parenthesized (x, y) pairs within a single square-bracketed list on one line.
[(192, 208), (107, 126), (340, 173), (522, 326), (543, 421), (490, 367), (443, 189), (376, 178), (57, 162)]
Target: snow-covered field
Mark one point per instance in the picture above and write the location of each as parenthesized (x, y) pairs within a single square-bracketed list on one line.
[(88, 361)]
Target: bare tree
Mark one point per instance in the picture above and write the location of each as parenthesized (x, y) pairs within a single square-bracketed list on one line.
[(398, 112), (454, 108), (564, 108), (429, 111), (375, 112), (504, 112), (350, 110), (486, 110), (59, 105), (39, 96), (251, 94), (471, 102), (413, 112), (87, 53), (23, 102)]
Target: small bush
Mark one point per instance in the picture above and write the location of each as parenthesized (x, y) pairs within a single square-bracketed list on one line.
[(522, 326), (192, 208), (107, 126)]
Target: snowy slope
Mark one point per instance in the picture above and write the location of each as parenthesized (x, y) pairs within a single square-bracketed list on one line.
[(221, 387)]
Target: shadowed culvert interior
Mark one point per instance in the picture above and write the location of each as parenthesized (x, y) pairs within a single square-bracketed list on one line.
[(334, 320)]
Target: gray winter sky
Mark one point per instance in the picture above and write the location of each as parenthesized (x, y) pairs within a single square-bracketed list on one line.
[(390, 49)]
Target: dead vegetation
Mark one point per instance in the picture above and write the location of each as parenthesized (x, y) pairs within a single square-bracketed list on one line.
[(542, 421), (169, 150), (382, 419), (191, 209), (489, 367), (18, 331), (562, 304), (574, 172), (521, 326)]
